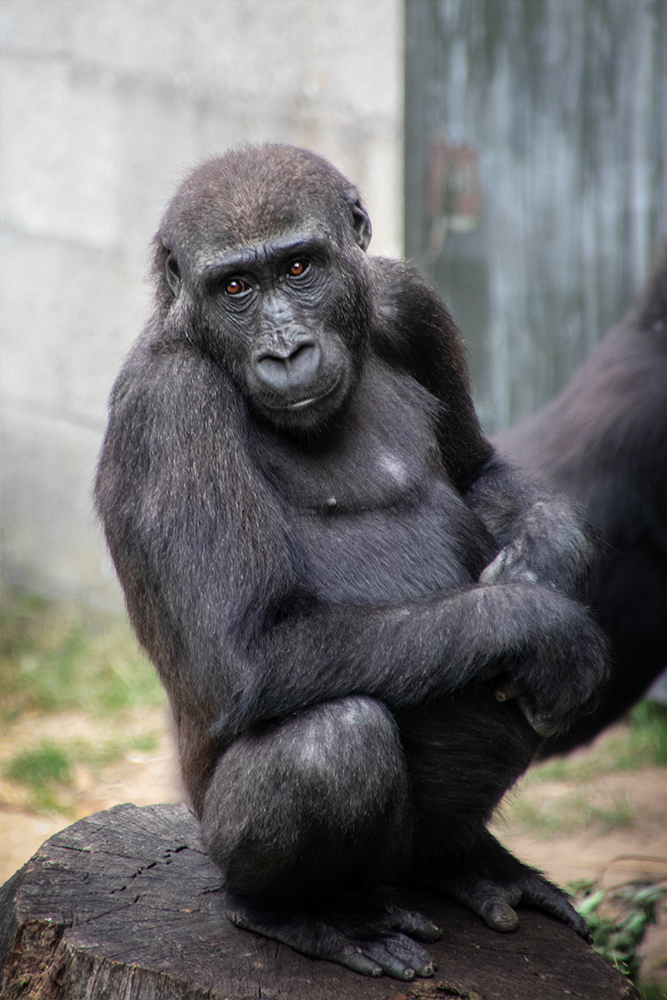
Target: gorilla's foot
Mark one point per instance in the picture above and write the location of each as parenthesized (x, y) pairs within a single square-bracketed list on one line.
[(491, 882), (372, 941), (494, 901)]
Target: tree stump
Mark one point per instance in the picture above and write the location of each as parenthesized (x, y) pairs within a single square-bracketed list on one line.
[(125, 904)]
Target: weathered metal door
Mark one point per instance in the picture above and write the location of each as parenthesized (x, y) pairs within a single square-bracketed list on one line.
[(536, 186)]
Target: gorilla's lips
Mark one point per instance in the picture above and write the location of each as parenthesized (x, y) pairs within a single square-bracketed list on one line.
[(302, 404)]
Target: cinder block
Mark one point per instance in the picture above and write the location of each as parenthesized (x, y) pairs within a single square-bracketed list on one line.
[(51, 541), (59, 169), (38, 27), (69, 315)]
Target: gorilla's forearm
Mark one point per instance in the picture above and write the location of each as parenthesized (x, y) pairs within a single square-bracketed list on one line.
[(408, 654)]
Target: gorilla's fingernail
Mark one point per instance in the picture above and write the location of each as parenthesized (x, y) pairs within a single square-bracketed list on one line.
[(508, 691)]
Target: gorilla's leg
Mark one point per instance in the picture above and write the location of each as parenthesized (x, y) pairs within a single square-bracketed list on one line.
[(463, 753), (302, 816)]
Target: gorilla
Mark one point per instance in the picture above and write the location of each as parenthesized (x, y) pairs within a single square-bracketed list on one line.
[(365, 621), (603, 441)]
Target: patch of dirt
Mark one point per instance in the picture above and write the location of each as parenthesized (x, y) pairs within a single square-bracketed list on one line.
[(612, 857), (141, 778)]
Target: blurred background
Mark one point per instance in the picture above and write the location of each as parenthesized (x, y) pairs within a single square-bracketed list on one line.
[(513, 149)]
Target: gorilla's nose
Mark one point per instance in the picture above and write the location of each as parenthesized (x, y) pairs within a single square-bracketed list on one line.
[(288, 367)]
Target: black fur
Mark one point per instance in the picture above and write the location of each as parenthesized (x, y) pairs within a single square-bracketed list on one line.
[(299, 503), (604, 442)]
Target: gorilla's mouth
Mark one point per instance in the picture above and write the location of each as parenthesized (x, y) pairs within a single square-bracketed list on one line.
[(302, 404)]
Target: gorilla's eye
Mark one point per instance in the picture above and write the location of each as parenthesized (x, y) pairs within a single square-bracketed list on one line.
[(298, 267), (236, 287)]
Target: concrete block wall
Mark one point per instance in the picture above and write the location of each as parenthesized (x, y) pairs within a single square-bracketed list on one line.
[(105, 105)]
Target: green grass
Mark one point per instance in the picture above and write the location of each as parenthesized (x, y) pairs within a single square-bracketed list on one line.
[(55, 658), (568, 814), (647, 742), (40, 766), (641, 743), (618, 919), (48, 767), (653, 990)]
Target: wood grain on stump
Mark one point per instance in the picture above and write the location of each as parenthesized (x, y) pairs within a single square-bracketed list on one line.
[(125, 904)]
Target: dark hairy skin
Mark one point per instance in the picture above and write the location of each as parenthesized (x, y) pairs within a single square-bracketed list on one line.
[(603, 441), (327, 563)]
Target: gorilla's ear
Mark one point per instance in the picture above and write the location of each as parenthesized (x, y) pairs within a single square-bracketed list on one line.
[(361, 222), (172, 273)]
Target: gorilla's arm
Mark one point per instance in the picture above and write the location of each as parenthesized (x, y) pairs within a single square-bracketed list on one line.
[(415, 333), (543, 536), (207, 557)]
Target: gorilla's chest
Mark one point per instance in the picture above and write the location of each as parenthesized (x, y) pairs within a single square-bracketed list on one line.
[(420, 545), (374, 515)]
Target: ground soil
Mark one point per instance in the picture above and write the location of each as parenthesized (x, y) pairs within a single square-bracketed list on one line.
[(615, 856)]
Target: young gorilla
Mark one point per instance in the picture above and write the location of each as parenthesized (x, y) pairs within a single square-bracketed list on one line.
[(318, 548)]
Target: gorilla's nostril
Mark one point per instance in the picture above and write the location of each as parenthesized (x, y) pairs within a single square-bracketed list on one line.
[(304, 358), (273, 371)]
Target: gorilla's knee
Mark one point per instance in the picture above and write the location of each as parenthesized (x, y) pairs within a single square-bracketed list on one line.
[(347, 749), (328, 785)]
